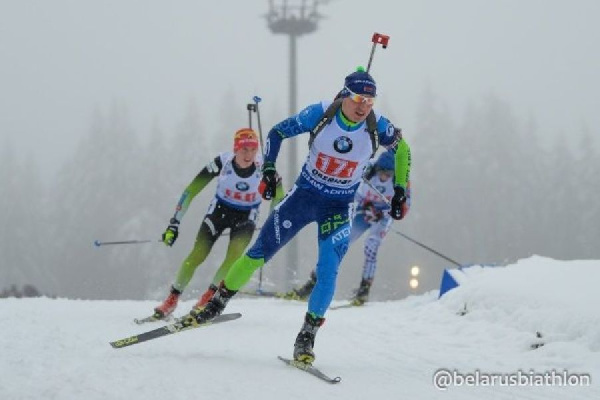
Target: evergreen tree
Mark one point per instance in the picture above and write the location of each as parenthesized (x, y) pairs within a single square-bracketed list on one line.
[(435, 152), (491, 174), (96, 198), (12, 271), (24, 242), (584, 199)]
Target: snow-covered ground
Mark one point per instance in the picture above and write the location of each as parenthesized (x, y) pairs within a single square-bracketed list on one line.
[(58, 349)]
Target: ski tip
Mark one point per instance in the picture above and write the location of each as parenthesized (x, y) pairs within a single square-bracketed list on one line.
[(310, 369), (257, 99), (124, 342)]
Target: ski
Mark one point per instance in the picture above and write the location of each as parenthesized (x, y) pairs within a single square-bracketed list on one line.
[(262, 293), (179, 326), (152, 318), (348, 305), (310, 369)]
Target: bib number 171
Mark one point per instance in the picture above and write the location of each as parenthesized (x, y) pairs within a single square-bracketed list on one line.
[(337, 167)]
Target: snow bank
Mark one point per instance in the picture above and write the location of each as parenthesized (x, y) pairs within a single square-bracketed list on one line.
[(561, 300), (58, 349)]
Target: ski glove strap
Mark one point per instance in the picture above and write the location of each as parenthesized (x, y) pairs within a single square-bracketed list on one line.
[(171, 233), (399, 206), (268, 184)]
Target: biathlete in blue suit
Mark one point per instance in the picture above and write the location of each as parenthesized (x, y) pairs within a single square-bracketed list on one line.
[(371, 204), (344, 136)]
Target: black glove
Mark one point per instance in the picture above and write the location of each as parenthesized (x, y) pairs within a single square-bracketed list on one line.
[(171, 233), (369, 171), (399, 207), (372, 214), (268, 184)]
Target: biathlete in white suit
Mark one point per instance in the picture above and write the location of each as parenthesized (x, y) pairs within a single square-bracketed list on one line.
[(235, 206)]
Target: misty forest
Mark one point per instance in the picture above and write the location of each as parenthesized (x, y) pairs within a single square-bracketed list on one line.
[(484, 191)]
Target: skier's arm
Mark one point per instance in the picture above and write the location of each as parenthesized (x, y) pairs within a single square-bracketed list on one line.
[(391, 138), (279, 194), (369, 171), (389, 135), (403, 164), (200, 181), (302, 122)]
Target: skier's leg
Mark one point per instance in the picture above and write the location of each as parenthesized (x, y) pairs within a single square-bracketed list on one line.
[(239, 238), (334, 237), (287, 219), (377, 233), (359, 226), (303, 291), (207, 235), (290, 215), (205, 239)]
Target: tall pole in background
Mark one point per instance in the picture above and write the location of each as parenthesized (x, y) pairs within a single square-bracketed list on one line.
[(293, 18)]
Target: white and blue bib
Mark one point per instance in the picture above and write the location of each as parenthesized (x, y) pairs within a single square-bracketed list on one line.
[(336, 159), (240, 193)]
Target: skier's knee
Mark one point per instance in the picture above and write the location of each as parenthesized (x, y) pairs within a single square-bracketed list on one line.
[(256, 251), (327, 276)]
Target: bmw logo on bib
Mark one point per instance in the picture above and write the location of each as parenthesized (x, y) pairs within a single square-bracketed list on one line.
[(343, 144), (242, 186)]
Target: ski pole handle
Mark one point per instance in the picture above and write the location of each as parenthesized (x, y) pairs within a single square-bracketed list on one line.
[(377, 38), (250, 108), (98, 243)]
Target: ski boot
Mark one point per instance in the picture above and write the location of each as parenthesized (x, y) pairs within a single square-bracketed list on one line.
[(206, 296), (303, 347), (168, 306), (304, 291), (214, 306), (362, 294)]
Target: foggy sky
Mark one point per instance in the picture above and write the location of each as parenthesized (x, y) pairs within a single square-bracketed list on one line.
[(61, 59)]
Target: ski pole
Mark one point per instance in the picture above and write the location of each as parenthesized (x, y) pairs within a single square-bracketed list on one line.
[(260, 135), (250, 107), (377, 38), (257, 100), (98, 243), (437, 253), (377, 192)]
